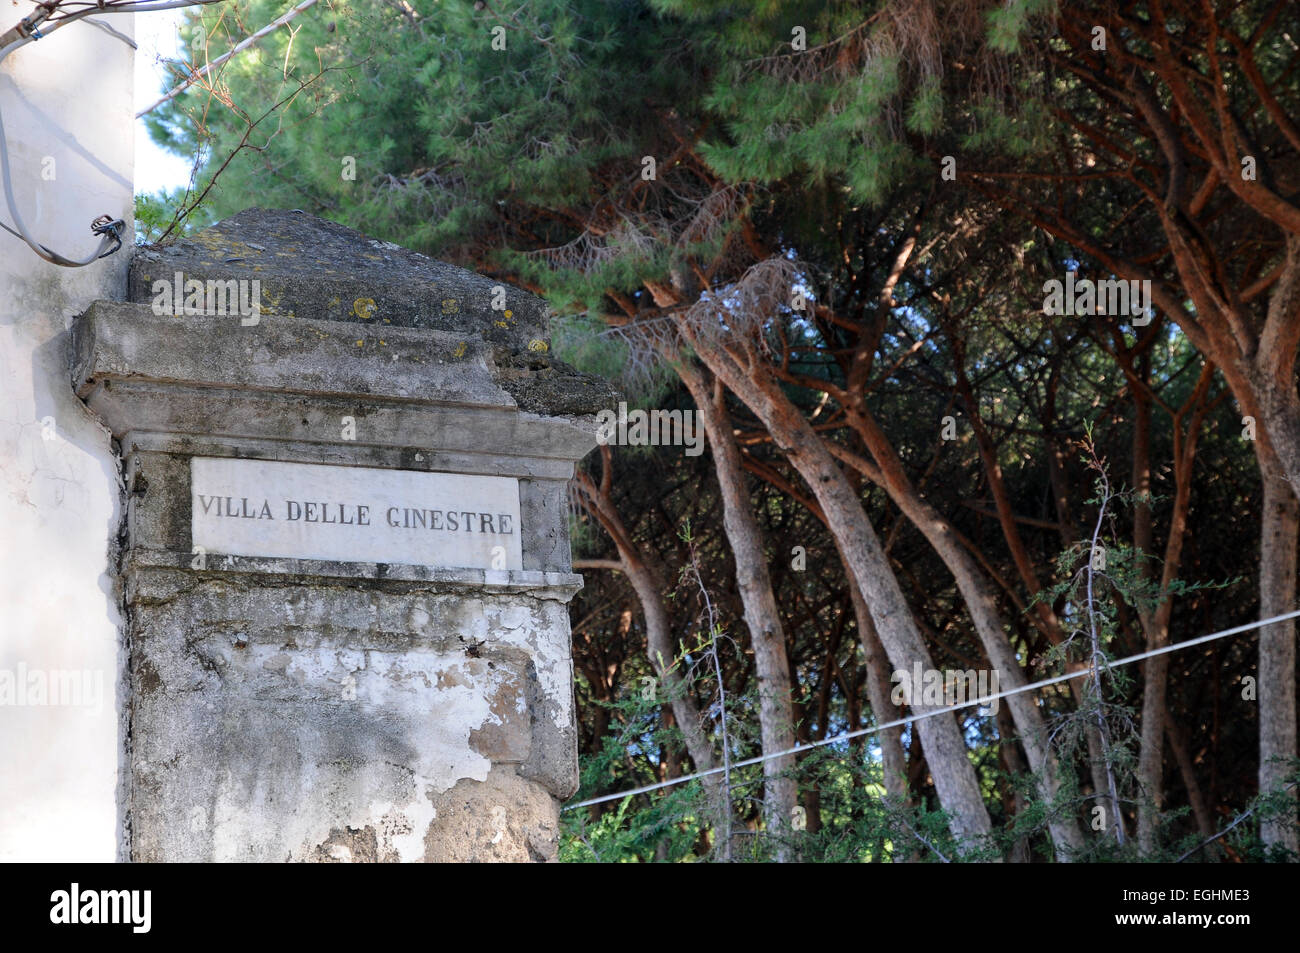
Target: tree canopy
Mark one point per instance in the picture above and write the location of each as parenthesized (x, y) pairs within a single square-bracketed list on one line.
[(831, 230)]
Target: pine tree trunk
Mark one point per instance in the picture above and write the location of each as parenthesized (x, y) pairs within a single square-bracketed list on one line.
[(1043, 614), (1195, 797), (1150, 773), (1013, 800), (977, 593), (661, 648), (893, 759), (772, 668), (1151, 753), (1277, 653), (945, 749)]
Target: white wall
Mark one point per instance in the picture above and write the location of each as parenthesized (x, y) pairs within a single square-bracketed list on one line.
[(67, 97)]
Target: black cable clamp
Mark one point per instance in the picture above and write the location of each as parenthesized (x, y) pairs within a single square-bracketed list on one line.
[(104, 225)]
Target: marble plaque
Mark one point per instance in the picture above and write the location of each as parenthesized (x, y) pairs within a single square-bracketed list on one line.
[(356, 514)]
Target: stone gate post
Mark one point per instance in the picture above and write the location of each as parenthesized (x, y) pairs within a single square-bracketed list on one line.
[(344, 559)]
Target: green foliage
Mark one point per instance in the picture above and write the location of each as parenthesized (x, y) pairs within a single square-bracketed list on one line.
[(668, 827), (1007, 22), (440, 125), (527, 162)]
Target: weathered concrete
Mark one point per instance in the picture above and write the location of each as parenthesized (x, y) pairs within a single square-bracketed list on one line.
[(272, 709), (292, 709), (310, 268)]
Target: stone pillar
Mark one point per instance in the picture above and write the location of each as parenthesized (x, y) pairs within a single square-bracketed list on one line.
[(345, 557)]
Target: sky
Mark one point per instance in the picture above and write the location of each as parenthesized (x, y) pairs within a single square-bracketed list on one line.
[(158, 37)]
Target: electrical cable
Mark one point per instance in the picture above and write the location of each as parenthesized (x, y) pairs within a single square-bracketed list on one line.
[(27, 30), (903, 722), (111, 32)]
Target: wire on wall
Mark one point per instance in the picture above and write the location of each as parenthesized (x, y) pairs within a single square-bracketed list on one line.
[(40, 23)]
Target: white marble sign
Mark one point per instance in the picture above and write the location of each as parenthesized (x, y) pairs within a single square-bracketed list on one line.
[(356, 514)]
